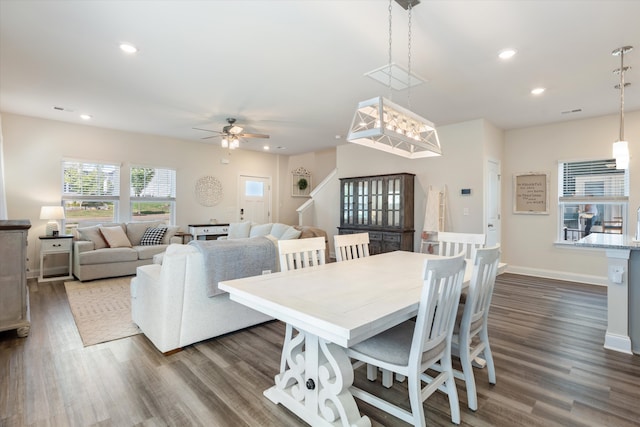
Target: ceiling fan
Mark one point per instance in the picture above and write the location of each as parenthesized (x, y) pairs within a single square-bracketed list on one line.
[(231, 134)]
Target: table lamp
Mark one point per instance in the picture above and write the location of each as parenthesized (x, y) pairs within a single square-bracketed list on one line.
[(53, 214)]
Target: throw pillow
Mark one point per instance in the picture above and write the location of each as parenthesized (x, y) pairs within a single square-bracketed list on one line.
[(290, 234), (153, 236), (239, 230), (92, 234), (278, 229), (136, 229), (115, 237), (260, 230)]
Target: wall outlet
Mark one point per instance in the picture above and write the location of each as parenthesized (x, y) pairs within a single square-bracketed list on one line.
[(465, 212), (266, 271)]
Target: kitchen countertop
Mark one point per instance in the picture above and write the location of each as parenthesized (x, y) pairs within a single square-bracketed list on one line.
[(608, 241)]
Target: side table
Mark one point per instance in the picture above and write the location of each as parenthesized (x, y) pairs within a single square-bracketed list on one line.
[(50, 245)]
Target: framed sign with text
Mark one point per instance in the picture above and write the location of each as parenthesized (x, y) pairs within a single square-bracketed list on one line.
[(531, 193)]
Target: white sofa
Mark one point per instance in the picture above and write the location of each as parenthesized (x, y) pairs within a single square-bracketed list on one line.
[(171, 306)]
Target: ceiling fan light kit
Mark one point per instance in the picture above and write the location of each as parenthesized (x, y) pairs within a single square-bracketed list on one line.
[(231, 134), (380, 124), (621, 147)]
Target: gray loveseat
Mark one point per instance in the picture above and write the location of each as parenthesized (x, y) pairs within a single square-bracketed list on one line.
[(95, 258)]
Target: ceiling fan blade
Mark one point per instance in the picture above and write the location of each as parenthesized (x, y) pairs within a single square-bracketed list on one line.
[(207, 130), (253, 135), (212, 136)]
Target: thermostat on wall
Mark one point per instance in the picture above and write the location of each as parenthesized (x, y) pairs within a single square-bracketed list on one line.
[(465, 192)]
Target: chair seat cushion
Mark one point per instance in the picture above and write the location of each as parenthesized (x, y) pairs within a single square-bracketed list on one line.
[(394, 345)]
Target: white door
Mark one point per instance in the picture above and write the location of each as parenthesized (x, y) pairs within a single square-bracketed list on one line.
[(255, 199), (492, 205)]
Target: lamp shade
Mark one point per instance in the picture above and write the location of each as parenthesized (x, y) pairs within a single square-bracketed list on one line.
[(621, 154), (52, 212)]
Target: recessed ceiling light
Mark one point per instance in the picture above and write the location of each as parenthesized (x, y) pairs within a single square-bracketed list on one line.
[(266, 148), (85, 117), (128, 48), (507, 53), (538, 91)]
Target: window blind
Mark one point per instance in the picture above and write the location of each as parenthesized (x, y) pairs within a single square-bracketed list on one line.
[(94, 181), (594, 179), (153, 183)]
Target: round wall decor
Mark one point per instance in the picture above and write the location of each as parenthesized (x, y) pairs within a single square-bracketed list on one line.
[(208, 191)]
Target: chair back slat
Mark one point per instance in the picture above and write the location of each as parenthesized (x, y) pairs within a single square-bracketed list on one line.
[(301, 253), (483, 279), (450, 244), (438, 305), (351, 246)]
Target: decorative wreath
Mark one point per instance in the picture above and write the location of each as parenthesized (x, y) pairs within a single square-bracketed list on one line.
[(303, 184)]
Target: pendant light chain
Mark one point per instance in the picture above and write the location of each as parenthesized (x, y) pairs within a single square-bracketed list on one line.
[(409, 61), (390, 91)]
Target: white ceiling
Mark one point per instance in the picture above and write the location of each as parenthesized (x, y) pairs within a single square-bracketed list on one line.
[(295, 69)]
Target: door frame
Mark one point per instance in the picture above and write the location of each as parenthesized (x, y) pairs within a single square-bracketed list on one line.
[(498, 196), (269, 195)]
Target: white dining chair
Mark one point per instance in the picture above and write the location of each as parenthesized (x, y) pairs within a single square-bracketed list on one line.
[(296, 254), (410, 348), (450, 244), (472, 320), (351, 246)]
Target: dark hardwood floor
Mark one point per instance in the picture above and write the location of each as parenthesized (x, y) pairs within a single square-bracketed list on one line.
[(546, 337)]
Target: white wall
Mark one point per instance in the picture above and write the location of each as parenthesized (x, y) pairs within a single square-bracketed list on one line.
[(34, 148), (528, 240), (319, 163), (460, 166)]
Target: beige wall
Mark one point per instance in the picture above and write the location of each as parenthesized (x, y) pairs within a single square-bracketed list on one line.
[(464, 147), (34, 148), (319, 163), (528, 240)]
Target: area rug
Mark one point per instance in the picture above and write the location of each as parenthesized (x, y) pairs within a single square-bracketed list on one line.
[(102, 309)]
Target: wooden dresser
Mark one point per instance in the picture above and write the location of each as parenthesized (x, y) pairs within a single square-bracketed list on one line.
[(381, 205), (14, 301)]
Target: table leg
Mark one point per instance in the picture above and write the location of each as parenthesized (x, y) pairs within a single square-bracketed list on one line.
[(315, 385)]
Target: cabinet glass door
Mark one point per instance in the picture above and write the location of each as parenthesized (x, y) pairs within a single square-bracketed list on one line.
[(394, 192), (362, 208), (347, 203), (376, 202)]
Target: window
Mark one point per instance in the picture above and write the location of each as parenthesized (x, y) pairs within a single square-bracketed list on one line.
[(153, 194), (90, 193), (593, 198)]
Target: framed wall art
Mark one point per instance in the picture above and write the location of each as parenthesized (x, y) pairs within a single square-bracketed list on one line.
[(531, 193)]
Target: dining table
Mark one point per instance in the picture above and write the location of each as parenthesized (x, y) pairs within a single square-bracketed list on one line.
[(333, 306)]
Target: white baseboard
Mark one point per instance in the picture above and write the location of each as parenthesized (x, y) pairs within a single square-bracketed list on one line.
[(616, 342), (559, 275)]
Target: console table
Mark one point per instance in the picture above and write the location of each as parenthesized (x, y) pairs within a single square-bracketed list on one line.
[(208, 231)]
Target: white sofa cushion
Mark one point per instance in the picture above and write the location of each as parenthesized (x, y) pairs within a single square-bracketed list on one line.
[(290, 234), (258, 230), (239, 230)]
